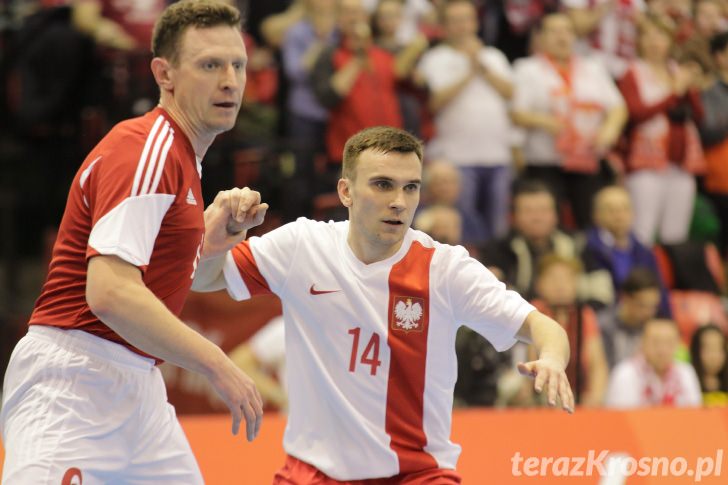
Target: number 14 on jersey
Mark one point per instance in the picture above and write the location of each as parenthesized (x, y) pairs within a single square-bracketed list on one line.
[(370, 355)]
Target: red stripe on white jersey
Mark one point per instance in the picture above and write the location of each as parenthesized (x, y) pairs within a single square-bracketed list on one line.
[(409, 286), (245, 261)]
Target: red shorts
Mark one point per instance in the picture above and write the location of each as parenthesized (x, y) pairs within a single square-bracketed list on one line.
[(297, 472)]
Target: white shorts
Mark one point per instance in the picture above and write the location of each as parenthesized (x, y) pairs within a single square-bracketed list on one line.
[(81, 409)]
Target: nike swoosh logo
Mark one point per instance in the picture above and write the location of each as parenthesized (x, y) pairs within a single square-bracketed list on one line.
[(314, 291)]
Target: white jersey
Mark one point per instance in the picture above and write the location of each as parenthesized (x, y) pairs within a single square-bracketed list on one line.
[(371, 362), (474, 128)]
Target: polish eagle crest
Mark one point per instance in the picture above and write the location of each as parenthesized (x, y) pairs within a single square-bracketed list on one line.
[(408, 314)]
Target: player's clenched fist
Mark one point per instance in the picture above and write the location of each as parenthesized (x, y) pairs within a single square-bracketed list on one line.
[(229, 217)]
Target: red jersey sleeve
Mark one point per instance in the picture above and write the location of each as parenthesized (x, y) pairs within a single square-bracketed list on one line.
[(128, 189), (242, 275)]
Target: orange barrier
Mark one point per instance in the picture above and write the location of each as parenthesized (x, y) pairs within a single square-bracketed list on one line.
[(491, 439)]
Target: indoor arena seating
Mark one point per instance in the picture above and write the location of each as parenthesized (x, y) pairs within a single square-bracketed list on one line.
[(694, 274)]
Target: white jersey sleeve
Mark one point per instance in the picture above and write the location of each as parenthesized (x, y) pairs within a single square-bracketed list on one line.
[(261, 264), (483, 303), (128, 190)]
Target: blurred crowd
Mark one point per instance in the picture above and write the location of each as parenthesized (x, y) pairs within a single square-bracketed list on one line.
[(578, 148)]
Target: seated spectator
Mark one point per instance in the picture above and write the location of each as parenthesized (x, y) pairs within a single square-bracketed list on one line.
[(573, 114), (663, 150), (441, 222), (654, 377), (621, 324), (556, 287), (714, 134), (440, 183), (708, 349), (612, 245), (534, 234), (470, 85)]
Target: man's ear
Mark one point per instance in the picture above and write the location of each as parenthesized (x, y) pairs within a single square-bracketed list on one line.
[(162, 71), (343, 187)]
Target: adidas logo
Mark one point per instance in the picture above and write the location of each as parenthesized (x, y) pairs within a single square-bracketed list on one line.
[(191, 198)]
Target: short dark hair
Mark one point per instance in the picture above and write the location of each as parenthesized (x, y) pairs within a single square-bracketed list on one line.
[(530, 186), (383, 139), (179, 16), (718, 43), (640, 279)]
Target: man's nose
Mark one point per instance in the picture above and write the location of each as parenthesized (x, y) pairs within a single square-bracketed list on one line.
[(397, 201), (232, 78)]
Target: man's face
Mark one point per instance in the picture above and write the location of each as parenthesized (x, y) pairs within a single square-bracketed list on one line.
[(443, 184), (460, 21), (640, 306), (558, 37), (389, 16), (534, 215), (382, 199), (659, 344), (209, 78), (708, 18), (613, 212), (352, 16), (557, 285)]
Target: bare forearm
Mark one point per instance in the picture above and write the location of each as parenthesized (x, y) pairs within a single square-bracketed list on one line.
[(406, 60), (548, 337), (503, 86), (274, 28), (141, 319), (343, 80), (532, 120), (441, 98), (613, 125), (309, 57)]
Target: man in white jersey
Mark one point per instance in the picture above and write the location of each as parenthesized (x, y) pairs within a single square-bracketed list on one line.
[(371, 309), (83, 401)]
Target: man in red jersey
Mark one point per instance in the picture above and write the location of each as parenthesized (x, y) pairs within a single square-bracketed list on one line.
[(82, 399)]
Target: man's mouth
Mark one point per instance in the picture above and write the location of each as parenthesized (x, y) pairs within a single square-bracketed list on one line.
[(225, 105), (393, 222)]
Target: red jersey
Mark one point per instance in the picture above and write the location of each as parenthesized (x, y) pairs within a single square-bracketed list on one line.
[(136, 196), (372, 100)]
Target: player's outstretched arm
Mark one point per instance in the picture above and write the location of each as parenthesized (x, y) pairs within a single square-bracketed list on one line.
[(116, 294), (227, 221), (549, 370)]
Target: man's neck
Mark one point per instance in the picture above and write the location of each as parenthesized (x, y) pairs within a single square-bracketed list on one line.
[(370, 253), (199, 143)]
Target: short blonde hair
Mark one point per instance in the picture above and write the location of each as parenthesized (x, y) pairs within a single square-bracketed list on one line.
[(189, 13)]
